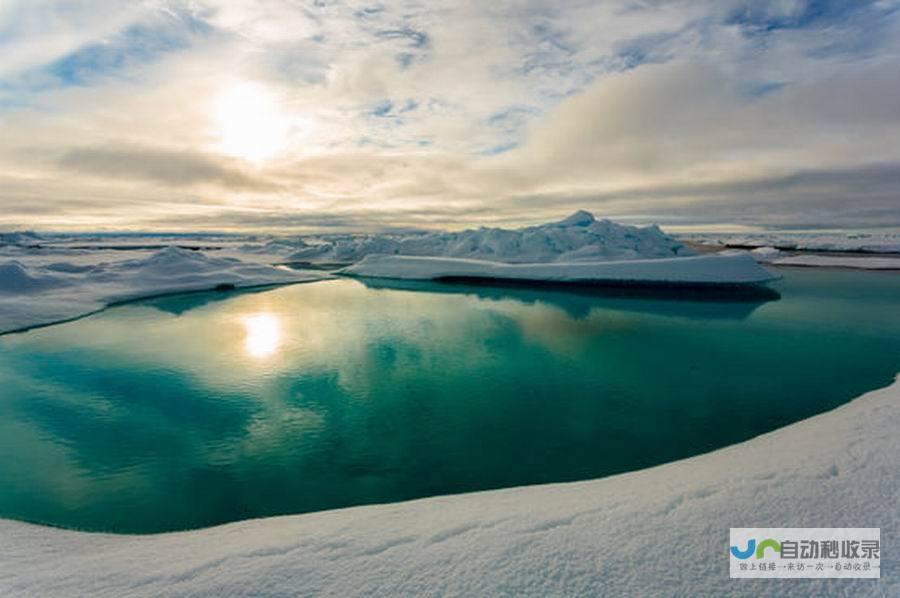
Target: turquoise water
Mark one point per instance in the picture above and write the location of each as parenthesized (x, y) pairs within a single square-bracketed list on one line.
[(201, 409)]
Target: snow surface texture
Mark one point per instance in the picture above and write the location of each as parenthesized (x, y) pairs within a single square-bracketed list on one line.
[(38, 291), (868, 242), (580, 237), (731, 269), (657, 532)]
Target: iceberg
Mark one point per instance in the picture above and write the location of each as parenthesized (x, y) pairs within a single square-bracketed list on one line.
[(703, 270), (580, 237)]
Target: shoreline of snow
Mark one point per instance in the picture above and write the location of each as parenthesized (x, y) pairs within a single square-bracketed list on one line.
[(42, 293), (710, 269), (662, 530)]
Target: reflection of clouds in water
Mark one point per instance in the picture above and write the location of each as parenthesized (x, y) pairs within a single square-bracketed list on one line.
[(282, 423), (558, 332), (52, 469), (253, 344), (228, 408), (332, 326), (260, 345), (335, 326), (565, 320)]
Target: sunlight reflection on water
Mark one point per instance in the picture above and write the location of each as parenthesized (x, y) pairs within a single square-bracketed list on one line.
[(263, 335)]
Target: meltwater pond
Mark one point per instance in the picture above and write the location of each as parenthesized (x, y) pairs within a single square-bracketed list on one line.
[(195, 410)]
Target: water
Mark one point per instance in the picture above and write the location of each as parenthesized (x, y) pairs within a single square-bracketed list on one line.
[(196, 410)]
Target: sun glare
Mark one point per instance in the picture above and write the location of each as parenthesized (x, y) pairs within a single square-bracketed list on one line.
[(263, 335), (250, 122)]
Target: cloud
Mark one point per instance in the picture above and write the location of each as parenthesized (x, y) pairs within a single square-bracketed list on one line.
[(38, 32), (406, 113), (692, 122), (170, 168), (858, 197)]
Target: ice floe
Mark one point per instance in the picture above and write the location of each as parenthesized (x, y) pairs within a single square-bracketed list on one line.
[(42, 291), (718, 269)]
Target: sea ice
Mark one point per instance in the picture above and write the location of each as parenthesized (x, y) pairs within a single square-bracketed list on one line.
[(50, 291), (580, 237), (730, 269)]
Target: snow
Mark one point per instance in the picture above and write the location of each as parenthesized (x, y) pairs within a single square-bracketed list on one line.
[(580, 237), (36, 289), (46, 278), (833, 261), (719, 269), (858, 260), (765, 254), (863, 242), (660, 531)]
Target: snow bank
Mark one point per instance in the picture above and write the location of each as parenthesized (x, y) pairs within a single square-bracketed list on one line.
[(833, 261), (45, 291), (580, 237), (732, 269), (661, 531)]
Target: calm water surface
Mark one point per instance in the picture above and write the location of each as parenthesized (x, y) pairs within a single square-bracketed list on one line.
[(196, 410)]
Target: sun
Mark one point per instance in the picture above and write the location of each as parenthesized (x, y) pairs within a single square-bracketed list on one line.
[(250, 123)]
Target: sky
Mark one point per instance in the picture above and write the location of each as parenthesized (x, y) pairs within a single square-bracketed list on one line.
[(320, 115)]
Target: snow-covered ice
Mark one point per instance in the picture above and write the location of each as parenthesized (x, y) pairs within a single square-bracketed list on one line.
[(862, 242), (770, 255), (719, 269), (35, 290), (836, 261), (844, 254), (766, 254), (580, 237), (46, 278), (657, 532)]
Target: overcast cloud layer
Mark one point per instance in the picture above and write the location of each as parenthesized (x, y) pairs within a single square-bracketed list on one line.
[(334, 115)]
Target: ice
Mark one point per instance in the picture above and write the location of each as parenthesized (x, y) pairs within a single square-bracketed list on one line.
[(730, 269), (765, 254), (657, 532), (46, 278), (862, 242), (770, 255), (833, 261), (580, 237), (37, 289)]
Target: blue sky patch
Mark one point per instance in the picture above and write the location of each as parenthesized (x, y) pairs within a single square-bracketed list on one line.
[(137, 45)]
